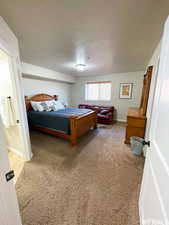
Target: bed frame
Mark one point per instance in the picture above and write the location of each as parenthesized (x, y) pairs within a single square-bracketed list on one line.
[(79, 125)]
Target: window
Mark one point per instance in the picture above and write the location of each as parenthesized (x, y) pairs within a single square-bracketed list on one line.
[(98, 91)]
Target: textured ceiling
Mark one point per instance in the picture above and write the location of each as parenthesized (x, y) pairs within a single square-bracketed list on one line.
[(108, 36)]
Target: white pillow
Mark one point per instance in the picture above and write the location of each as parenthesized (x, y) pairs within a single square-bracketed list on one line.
[(58, 105), (34, 105), (39, 106), (47, 106), (50, 105)]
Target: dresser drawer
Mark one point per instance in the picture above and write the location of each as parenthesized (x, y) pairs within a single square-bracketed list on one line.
[(134, 131), (136, 122)]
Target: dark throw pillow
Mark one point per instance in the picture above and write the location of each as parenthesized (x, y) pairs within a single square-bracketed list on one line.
[(104, 111)]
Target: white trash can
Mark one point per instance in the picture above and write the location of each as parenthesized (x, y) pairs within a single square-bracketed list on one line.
[(137, 145)]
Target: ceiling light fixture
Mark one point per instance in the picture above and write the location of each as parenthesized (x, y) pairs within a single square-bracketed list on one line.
[(80, 67)]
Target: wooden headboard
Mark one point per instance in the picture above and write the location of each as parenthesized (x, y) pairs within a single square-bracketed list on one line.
[(39, 98)]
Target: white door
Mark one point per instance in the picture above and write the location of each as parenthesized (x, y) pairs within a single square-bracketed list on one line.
[(154, 197), (9, 212)]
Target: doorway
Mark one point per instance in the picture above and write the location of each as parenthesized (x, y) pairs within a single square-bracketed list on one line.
[(8, 105)]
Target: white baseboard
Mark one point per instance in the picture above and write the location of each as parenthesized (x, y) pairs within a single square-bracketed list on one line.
[(31, 154), (11, 149), (119, 120), (141, 216)]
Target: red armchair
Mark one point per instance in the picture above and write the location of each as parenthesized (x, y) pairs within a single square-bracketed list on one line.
[(104, 113)]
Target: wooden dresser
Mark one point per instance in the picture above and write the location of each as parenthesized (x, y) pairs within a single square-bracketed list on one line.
[(136, 117)]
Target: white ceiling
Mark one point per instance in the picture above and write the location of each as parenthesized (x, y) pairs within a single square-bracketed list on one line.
[(108, 36)]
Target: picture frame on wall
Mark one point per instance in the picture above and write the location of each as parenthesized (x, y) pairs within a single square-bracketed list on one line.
[(126, 90)]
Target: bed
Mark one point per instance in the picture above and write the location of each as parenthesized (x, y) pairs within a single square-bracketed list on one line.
[(68, 123)]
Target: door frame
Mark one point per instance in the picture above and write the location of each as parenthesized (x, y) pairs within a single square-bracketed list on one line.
[(9, 45)]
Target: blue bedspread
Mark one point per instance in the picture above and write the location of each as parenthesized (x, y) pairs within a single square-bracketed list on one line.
[(57, 120)]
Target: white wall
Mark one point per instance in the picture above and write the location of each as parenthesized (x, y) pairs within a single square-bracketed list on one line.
[(41, 80), (121, 105), (5, 79), (35, 86), (41, 72)]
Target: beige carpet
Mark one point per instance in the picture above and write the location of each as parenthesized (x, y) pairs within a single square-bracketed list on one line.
[(96, 183)]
